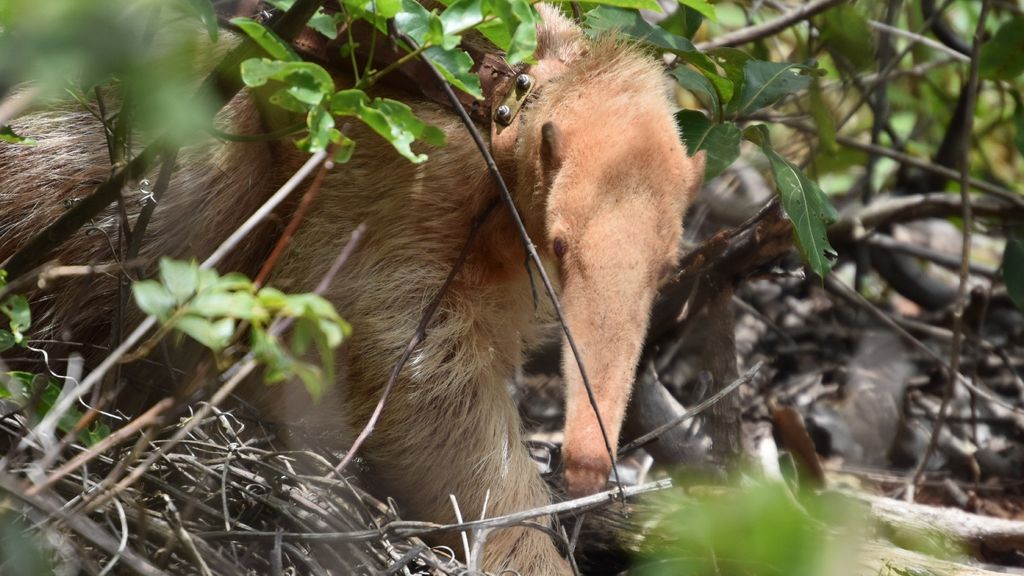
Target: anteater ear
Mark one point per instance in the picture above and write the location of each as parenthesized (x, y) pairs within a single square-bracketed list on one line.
[(551, 152)]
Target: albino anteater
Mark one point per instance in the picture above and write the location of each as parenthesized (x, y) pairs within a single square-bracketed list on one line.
[(598, 171)]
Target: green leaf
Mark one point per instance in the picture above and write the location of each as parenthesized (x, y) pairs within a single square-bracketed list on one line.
[(700, 86), (7, 342), (207, 15), (1013, 270), (214, 335), (517, 24), (153, 299), (765, 83), (845, 31), (702, 6), (683, 22), (321, 130), (462, 15), (7, 135), (240, 305), (635, 4), (455, 66), (631, 24), (1002, 57), (721, 142), (180, 278), (271, 43), (308, 83), (391, 119), (422, 26), (325, 23), (17, 310), (808, 209), (384, 9), (343, 148), (732, 62)]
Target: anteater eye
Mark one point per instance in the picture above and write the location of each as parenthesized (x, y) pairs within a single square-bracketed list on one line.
[(559, 246)]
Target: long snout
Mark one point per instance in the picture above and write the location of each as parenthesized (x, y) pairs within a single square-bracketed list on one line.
[(608, 327)]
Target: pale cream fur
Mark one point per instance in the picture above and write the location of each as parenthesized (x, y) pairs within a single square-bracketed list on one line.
[(613, 190)]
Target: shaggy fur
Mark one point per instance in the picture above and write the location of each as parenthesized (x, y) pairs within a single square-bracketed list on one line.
[(597, 167)]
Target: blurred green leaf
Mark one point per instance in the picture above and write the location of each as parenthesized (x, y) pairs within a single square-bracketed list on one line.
[(757, 530), (215, 335), (7, 340), (822, 115), (181, 278), (16, 309), (271, 43), (153, 299), (845, 31), (1002, 57), (7, 135), (207, 15), (1013, 270), (703, 7), (720, 142)]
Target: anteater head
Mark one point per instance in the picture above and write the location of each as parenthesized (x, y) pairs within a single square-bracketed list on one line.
[(608, 171)]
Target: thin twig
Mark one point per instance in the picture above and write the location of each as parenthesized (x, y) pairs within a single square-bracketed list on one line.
[(293, 224), (407, 529), (763, 30), (746, 378), (965, 255)]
